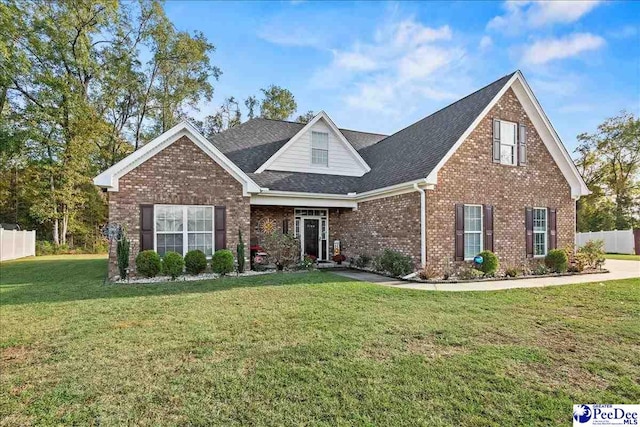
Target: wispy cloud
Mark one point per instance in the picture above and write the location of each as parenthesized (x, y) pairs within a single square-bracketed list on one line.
[(404, 63), (543, 51), (485, 43), (523, 15)]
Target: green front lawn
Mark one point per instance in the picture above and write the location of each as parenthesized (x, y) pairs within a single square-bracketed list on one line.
[(625, 257), (305, 349)]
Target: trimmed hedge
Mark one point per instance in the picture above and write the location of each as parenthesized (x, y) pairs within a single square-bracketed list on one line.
[(489, 264), (556, 260), (148, 263), (195, 262), (172, 264), (222, 262), (394, 263)]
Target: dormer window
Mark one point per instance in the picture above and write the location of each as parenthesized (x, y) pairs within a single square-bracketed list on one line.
[(320, 148)]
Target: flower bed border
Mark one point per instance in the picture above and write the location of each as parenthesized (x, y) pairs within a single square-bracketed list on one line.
[(485, 279)]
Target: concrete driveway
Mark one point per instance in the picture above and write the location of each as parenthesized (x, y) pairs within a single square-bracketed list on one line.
[(618, 269)]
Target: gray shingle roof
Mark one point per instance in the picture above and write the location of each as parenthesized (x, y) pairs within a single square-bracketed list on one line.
[(407, 155)]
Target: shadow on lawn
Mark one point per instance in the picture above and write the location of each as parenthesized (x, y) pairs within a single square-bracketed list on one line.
[(41, 280)]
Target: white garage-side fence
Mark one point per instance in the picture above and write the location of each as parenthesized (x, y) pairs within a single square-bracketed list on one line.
[(615, 241), (16, 244)]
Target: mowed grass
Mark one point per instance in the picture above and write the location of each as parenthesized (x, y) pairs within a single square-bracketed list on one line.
[(625, 257), (305, 349)]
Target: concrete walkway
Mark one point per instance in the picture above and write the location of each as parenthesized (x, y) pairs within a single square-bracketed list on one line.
[(618, 270)]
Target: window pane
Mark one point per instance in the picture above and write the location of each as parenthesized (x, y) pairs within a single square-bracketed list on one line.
[(200, 219), (168, 218), (507, 154), (319, 157), (169, 242), (320, 140), (539, 220), (471, 245), (201, 241), (539, 244), (507, 133), (472, 218)]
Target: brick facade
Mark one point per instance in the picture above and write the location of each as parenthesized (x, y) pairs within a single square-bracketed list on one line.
[(471, 177), (386, 223), (181, 174)]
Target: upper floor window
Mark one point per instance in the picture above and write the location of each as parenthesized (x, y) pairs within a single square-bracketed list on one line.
[(508, 134), (320, 148)]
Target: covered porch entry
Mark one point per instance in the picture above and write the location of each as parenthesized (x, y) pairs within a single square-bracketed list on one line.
[(309, 225)]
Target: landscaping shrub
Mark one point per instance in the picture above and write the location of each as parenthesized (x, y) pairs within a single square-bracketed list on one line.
[(44, 247), (489, 264), (240, 252), (339, 258), (540, 270), (427, 273), (222, 262), (122, 255), (306, 263), (512, 272), (362, 261), (469, 273), (195, 262), (394, 263), (172, 264), (556, 260), (282, 248), (593, 253), (148, 263)]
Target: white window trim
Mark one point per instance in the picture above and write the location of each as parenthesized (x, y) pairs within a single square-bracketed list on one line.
[(185, 223), (300, 232), (545, 233), (514, 145), (320, 149), (481, 232)]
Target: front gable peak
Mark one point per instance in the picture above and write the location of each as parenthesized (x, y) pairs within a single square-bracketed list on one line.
[(319, 147)]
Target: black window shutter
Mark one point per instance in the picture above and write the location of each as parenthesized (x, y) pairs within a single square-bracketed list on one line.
[(551, 225), (285, 226), (522, 144), (459, 242), (528, 222), (496, 141), (488, 227), (146, 227), (221, 227)]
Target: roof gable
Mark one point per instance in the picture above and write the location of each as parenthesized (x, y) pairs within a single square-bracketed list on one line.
[(295, 154), (109, 178)]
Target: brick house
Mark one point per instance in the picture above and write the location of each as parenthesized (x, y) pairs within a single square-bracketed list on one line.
[(486, 172)]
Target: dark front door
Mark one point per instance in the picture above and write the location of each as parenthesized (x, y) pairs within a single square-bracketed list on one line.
[(311, 237)]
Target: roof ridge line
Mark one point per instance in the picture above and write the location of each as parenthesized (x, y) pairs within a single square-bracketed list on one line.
[(445, 107)]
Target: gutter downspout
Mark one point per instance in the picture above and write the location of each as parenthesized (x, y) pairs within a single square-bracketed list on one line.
[(423, 226)]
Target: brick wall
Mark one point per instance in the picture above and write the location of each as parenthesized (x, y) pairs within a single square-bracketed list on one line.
[(275, 213), (471, 177), (387, 223), (180, 174)]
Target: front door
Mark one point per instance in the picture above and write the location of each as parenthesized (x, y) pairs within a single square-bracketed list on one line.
[(311, 229)]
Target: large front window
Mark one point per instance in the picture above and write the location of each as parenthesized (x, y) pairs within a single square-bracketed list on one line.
[(171, 233), (472, 231), (539, 231)]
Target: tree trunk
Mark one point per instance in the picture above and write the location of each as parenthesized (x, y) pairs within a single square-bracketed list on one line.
[(65, 224), (56, 232)]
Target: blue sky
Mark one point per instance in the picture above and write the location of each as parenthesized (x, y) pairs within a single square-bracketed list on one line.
[(381, 66)]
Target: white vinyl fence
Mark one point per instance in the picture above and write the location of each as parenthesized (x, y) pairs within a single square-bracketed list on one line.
[(17, 244), (615, 241)]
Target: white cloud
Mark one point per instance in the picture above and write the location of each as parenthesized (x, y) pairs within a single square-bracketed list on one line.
[(521, 15), (485, 43), (543, 51), (404, 63)]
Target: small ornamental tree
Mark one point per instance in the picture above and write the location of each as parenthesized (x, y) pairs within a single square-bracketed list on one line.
[(148, 263), (284, 249), (122, 254), (195, 262), (240, 252), (222, 262), (172, 264)]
